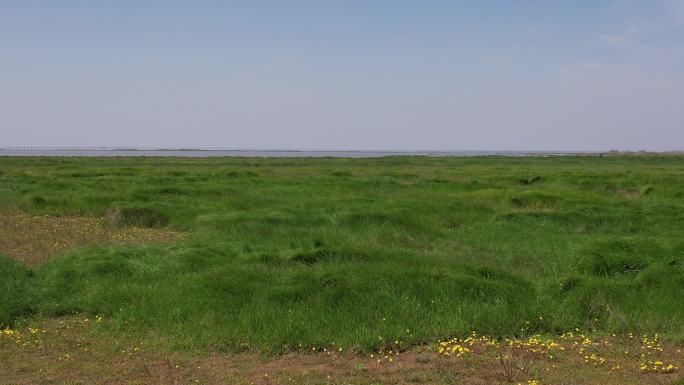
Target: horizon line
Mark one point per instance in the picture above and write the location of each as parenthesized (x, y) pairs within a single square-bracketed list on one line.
[(318, 150)]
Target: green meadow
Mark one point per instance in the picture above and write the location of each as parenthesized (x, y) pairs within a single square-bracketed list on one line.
[(290, 253)]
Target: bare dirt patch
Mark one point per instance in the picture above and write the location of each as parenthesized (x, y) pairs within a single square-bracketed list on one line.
[(34, 239), (79, 350)]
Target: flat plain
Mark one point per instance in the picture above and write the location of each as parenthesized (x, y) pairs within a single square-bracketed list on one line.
[(534, 270)]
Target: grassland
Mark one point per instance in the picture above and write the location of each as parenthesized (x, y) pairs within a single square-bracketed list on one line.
[(279, 256)]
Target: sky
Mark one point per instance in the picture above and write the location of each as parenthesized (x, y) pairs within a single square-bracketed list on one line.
[(346, 74)]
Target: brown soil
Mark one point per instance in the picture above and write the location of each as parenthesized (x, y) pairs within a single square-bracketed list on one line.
[(75, 351), (34, 239)]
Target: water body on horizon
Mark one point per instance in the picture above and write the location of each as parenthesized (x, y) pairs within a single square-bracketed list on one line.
[(200, 153)]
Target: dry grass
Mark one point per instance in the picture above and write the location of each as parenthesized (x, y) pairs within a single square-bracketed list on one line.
[(75, 351), (34, 239)]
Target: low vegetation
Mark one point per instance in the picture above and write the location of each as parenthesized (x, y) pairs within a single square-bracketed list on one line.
[(33, 239), (281, 256)]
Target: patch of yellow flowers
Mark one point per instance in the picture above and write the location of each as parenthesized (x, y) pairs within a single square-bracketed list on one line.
[(535, 344), (460, 347), (651, 349), (452, 347), (21, 338)]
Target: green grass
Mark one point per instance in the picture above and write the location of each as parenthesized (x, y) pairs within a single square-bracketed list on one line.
[(284, 252), (14, 286)]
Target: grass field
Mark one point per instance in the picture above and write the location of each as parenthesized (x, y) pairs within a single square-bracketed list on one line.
[(285, 256)]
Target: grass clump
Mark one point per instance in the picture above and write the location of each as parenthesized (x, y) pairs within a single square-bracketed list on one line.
[(625, 256), (322, 255), (530, 181), (137, 216), (535, 200), (37, 202)]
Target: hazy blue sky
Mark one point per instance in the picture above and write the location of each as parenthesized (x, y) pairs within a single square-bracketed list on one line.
[(453, 75)]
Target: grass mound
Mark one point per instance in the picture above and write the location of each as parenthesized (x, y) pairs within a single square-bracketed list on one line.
[(626, 284), (15, 281), (627, 256), (232, 299), (652, 300)]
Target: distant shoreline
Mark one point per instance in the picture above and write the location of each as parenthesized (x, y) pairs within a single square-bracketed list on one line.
[(333, 153), (203, 152)]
